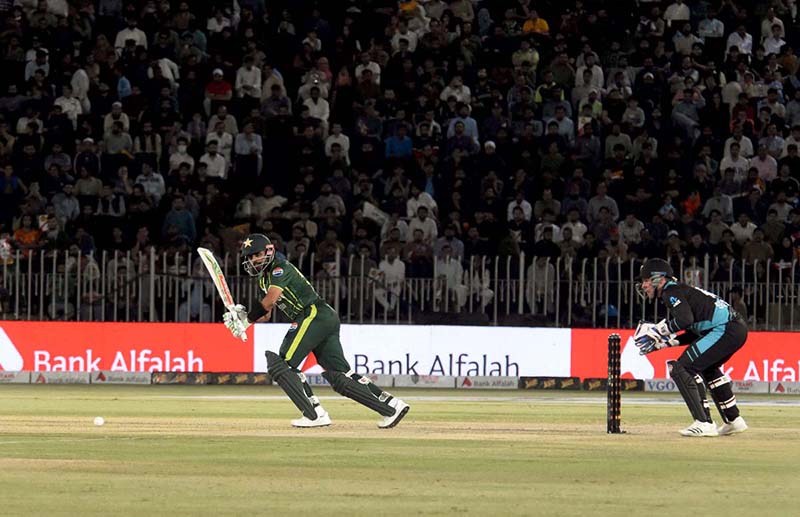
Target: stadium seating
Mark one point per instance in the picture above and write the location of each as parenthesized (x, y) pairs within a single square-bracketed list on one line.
[(392, 140)]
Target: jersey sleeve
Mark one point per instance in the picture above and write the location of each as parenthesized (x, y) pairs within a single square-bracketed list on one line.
[(281, 277), (681, 315)]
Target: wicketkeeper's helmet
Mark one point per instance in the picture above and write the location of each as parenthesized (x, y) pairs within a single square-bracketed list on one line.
[(258, 253), (653, 270)]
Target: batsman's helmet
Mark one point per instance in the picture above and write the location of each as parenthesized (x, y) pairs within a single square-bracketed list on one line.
[(257, 252)]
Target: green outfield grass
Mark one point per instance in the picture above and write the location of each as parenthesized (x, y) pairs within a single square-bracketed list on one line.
[(190, 451)]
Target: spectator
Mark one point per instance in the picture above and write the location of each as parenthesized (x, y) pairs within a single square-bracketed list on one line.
[(741, 40), (456, 90), (630, 229), (716, 227), (181, 156), (70, 105), (118, 141), (781, 206), (756, 249), (399, 145), (738, 163), (451, 240), (374, 69), (600, 201), (218, 91), (87, 187), (765, 164), (721, 203), (469, 114), (419, 254), (116, 115), (110, 204), (519, 202), (425, 224), (327, 200), (743, 229), (248, 82), (180, 219), (338, 138), (249, 150), (536, 25), (27, 237), (389, 279), (216, 165), (66, 205), (148, 146), (152, 182), (130, 33)]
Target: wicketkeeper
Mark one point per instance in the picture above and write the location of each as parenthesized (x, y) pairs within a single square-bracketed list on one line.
[(315, 328), (713, 333)]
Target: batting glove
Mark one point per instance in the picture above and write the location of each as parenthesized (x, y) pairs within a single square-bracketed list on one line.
[(236, 321), (238, 311)]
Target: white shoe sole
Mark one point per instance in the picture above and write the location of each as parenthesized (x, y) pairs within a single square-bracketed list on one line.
[(699, 433), (694, 435), (308, 424), (395, 419), (733, 430)]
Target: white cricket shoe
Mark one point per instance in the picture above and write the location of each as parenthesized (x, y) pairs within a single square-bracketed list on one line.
[(737, 426), (699, 428), (400, 410), (322, 419)]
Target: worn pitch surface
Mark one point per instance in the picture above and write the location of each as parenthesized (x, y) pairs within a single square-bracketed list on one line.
[(190, 450)]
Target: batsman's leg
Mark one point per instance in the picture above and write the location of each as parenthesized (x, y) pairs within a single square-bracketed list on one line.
[(357, 387), (296, 387)]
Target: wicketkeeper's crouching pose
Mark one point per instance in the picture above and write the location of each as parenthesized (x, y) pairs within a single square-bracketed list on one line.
[(315, 328), (714, 332)]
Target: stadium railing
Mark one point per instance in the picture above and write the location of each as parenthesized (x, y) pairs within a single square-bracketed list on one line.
[(499, 290)]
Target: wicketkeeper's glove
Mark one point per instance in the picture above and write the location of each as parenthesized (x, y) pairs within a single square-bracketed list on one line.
[(236, 321), (650, 337)]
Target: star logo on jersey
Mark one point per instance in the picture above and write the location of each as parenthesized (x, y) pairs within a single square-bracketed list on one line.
[(247, 243), (278, 271)]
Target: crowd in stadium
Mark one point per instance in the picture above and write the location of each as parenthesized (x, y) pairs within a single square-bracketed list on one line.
[(402, 131)]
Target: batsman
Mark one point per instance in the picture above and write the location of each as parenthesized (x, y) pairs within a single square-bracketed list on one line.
[(713, 332), (315, 328)]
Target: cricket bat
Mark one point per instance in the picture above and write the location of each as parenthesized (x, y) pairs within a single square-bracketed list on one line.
[(219, 280)]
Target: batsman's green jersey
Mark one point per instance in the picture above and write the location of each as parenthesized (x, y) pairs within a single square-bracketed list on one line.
[(296, 292), (315, 324)]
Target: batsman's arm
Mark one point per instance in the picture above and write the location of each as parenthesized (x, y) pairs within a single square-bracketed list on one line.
[(263, 310)]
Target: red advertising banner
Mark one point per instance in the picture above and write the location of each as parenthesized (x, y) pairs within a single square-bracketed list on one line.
[(123, 347), (766, 356)]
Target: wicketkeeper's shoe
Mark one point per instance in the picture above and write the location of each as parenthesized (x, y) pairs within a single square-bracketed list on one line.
[(400, 410), (322, 419), (699, 428), (738, 425)]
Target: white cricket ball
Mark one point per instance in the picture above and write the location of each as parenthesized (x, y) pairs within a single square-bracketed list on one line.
[(98, 420)]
